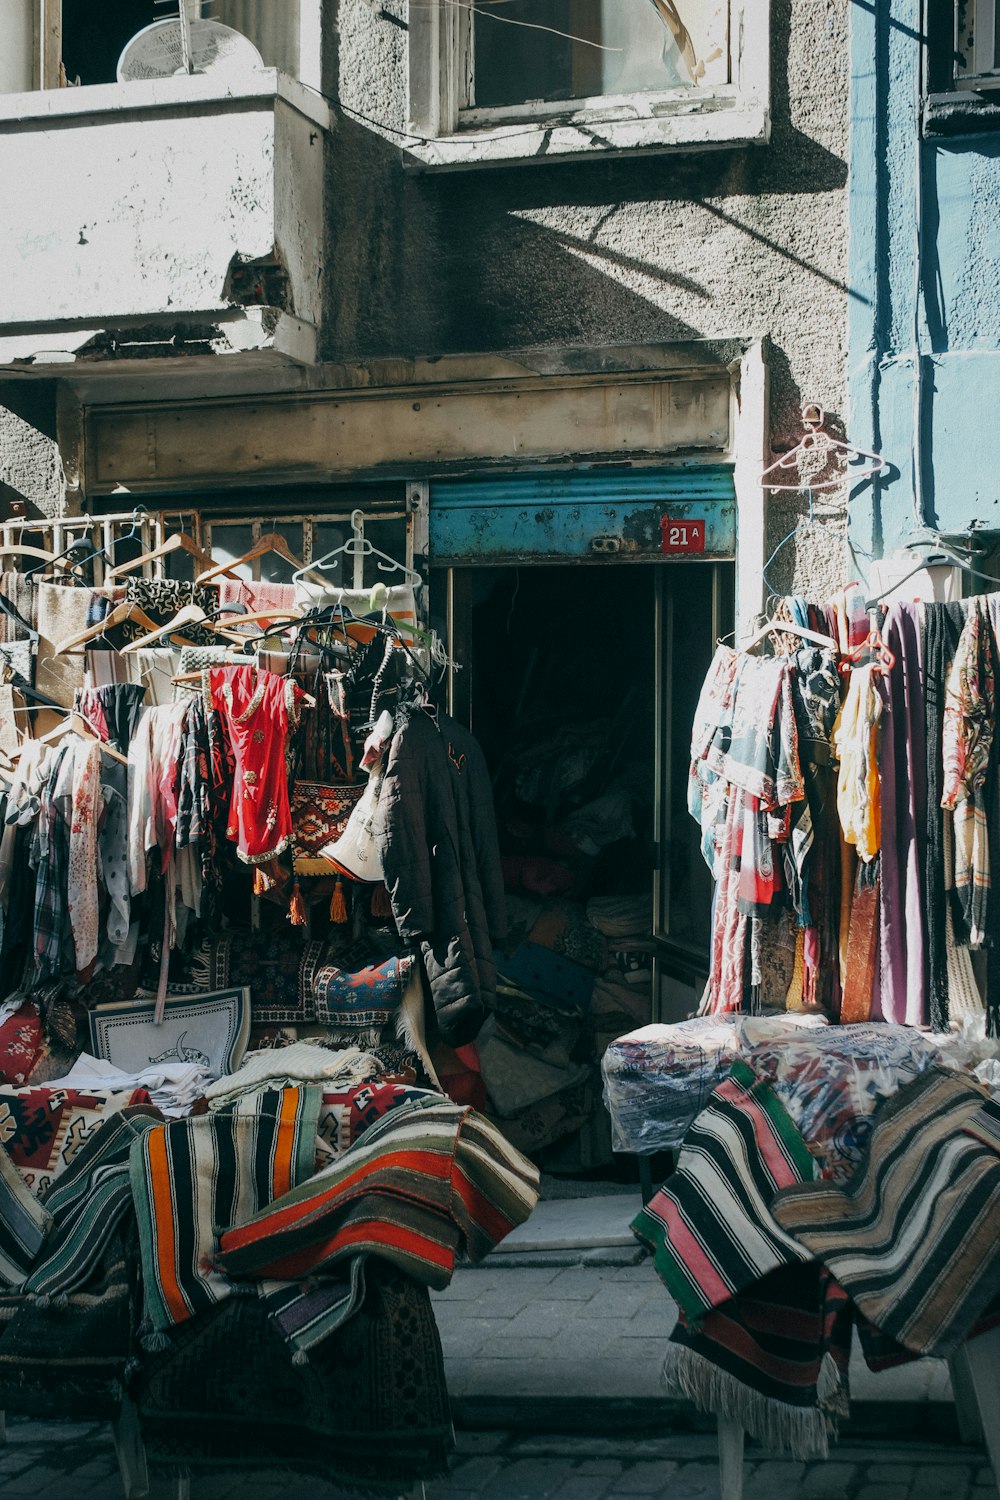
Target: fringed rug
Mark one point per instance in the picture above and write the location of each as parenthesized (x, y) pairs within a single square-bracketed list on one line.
[(276, 967), (773, 1359), (711, 1229), (369, 1410), (43, 1129), (66, 1358), (915, 1237), (359, 1007)]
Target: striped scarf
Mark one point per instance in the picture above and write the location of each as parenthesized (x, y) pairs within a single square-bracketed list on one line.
[(711, 1230), (190, 1176)]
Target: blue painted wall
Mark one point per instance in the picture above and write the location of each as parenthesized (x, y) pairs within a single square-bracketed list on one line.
[(947, 317)]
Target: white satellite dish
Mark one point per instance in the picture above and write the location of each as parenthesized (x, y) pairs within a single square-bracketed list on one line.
[(158, 52)]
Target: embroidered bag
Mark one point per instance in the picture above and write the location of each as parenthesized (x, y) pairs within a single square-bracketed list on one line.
[(320, 814)]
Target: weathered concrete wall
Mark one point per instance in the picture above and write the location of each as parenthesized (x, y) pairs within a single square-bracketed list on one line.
[(606, 252), (147, 204), (941, 440), (30, 464)]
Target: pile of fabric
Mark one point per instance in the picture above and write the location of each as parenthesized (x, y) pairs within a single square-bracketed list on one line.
[(838, 1180), (849, 804), (327, 1193)]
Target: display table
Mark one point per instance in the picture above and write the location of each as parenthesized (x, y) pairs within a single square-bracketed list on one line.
[(790, 1226)]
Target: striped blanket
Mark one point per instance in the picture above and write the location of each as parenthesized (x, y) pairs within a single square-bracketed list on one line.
[(191, 1176), (773, 1359), (429, 1179), (24, 1225), (87, 1205), (711, 1229), (915, 1237)]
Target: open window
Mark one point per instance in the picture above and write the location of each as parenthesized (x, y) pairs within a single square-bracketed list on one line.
[(497, 80), (55, 43)]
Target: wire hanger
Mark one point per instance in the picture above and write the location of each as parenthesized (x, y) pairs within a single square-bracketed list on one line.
[(67, 557), (817, 441), (942, 554), (358, 545)]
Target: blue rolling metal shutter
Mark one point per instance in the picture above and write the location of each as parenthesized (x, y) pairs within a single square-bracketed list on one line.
[(638, 515)]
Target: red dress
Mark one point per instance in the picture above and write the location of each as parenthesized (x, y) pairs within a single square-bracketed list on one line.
[(257, 709)]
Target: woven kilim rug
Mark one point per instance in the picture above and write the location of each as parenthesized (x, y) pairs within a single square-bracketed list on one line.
[(191, 1176), (774, 1359), (66, 1357), (368, 1409), (711, 1229), (915, 1236), (427, 1180)]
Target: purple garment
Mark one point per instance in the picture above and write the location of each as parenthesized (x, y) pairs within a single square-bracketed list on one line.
[(903, 767)]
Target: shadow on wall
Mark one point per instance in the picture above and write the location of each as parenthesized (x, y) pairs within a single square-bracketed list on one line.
[(601, 252)]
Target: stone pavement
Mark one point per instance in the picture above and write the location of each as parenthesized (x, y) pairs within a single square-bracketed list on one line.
[(579, 1347), (62, 1461)]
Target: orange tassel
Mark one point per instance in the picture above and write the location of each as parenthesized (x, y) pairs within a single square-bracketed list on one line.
[(297, 907), (338, 903), (381, 905), (261, 885)]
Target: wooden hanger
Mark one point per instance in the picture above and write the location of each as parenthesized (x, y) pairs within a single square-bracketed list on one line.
[(17, 549), (289, 616), (75, 723), (307, 700), (178, 542), (121, 612), (188, 614), (789, 627), (272, 541)]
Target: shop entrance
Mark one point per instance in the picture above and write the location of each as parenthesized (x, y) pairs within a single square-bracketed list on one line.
[(580, 682)]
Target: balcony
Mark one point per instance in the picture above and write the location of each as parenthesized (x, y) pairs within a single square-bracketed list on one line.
[(150, 225)]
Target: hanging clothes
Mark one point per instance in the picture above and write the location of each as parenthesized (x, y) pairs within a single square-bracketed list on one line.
[(967, 742), (257, 710), (903, 770)]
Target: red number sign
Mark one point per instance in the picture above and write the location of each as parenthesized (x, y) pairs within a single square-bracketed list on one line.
[(681, 536)]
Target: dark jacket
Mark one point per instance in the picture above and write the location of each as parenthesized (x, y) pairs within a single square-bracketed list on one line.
[(436, 831)]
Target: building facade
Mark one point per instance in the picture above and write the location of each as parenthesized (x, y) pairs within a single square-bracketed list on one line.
[(924, 312), (537, 288)]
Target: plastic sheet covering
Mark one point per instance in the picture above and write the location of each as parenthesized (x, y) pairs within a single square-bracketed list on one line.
[(658, 1078)]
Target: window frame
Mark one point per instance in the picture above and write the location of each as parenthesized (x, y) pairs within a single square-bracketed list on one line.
[(450, 134), (978, 77), (48, 72)]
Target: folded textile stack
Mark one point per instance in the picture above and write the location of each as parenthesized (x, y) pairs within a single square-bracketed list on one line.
[(173, 1088), (279, 1067)]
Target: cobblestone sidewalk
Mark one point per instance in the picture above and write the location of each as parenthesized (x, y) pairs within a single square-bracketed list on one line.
[(60, 1461)]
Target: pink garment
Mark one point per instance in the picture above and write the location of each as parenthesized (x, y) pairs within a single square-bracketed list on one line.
[(87, 804), (257, 597)]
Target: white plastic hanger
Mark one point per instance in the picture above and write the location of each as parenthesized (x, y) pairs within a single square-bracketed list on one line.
[(789, 627), (817, 441), (358, 546)]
